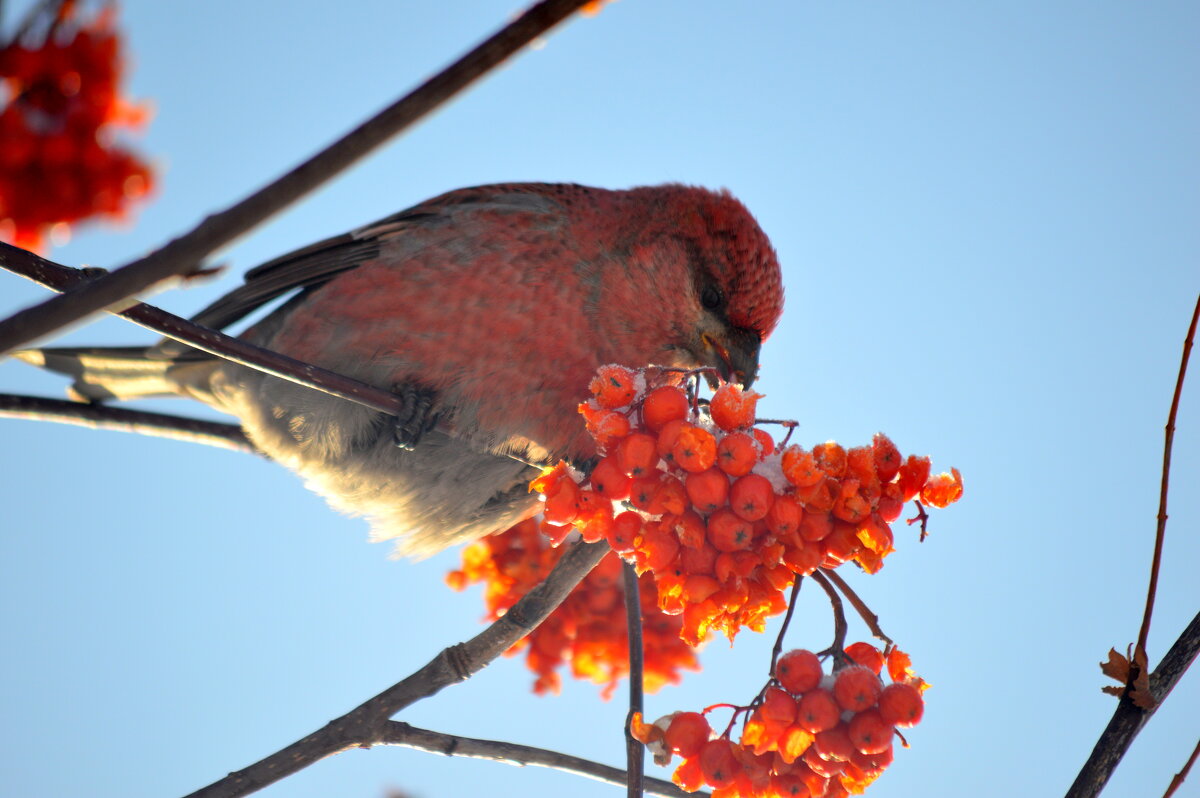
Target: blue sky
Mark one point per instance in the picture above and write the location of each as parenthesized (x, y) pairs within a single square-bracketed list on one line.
[(986, 215)]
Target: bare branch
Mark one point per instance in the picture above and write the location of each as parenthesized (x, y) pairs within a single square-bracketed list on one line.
[(189, 250), (635, 752), (1181, 776), (96, 416), (61, 278), (1161, 530), (397, 733), (1129, 719), (365, 724)]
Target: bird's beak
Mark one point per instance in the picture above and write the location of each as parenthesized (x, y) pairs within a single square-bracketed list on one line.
[(734, 354)]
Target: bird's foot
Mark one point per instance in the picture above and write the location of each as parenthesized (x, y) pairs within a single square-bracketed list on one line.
[(417, 417)]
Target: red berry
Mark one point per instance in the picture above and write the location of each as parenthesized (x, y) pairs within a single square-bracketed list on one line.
[(751, 497), (857, 688), (687, 733), (798, 671), (818, 711), (870, 733), (663, 404), (901, 704)]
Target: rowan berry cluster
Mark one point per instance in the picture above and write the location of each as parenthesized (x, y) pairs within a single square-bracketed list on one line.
[(808, 733), (60, 108), (700, 497), (588, 629)]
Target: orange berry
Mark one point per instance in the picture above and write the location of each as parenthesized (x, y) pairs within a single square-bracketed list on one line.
[(732, 408), (605, 426), (663, 404), (913, 474), (751, 496), (718, 763), (886, 456), (665, 443), (869, 733), (825, 768), (562, 502), (644, 491), (688, 775), (613, 386), (943, 489), (842, 544), (857, 688), (624, 531), (658, 549), (637, 454), (609, 480), (789, 785), (834, 744), (737, 453), (695, 449), (784, 517), (690, 529), (764, 440), (698, 587), (728, 532), (818, 710), (699, 559), (707, 490), (687, 733), (800, 467), (778, 708), (815, 527), (831, 458), (798, 671), (866, 655), (900, 704), (872, 764), (672, 496)]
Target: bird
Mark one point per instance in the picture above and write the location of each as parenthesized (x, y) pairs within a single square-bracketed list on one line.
[(488, 309)]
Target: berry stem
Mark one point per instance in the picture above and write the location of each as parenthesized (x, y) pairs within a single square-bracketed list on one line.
[(860, 606), (838, 648), (921, 516), (787, 619)]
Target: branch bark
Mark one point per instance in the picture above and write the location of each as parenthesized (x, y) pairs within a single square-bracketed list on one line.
[(367, 724), (183, 255), (95, 416), (397, 733)]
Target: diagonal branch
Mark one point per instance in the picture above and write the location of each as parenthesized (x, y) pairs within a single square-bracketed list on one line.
[(185, 253), (368, 723), (96, 416), (397, 733), (1129, 718), (62, 278)]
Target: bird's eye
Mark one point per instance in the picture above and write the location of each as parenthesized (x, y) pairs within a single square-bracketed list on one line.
[(711, 297)]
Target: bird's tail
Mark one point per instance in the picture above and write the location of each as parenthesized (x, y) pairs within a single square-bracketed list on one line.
[(103, 373)]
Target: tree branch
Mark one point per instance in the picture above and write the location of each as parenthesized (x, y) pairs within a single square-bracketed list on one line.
[(96, 416), (184, 253), (62, 278), (397, 733), (635, 752), (1129, 719), (366, 724)]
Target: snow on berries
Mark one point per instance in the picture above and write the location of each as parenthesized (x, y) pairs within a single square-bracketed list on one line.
[(722, 519), (807, 732)]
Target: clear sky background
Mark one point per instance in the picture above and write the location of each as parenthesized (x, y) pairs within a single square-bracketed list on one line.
[(987, 217)]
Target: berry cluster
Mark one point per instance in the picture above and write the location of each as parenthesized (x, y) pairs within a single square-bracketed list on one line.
[(722, 519), (588, 629), (60, 106), (809, 733)]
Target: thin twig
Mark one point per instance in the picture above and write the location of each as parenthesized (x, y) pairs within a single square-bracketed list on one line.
[(1128, 719), (1161, 530), (864, 612), (95, 416), (1182, 775), (777, 649), (62, 278), (635, 752), (364, 724), (840, 627), (397, 733), (186, 252)]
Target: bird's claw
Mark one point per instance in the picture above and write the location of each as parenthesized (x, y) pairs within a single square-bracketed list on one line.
[(417, 417)]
